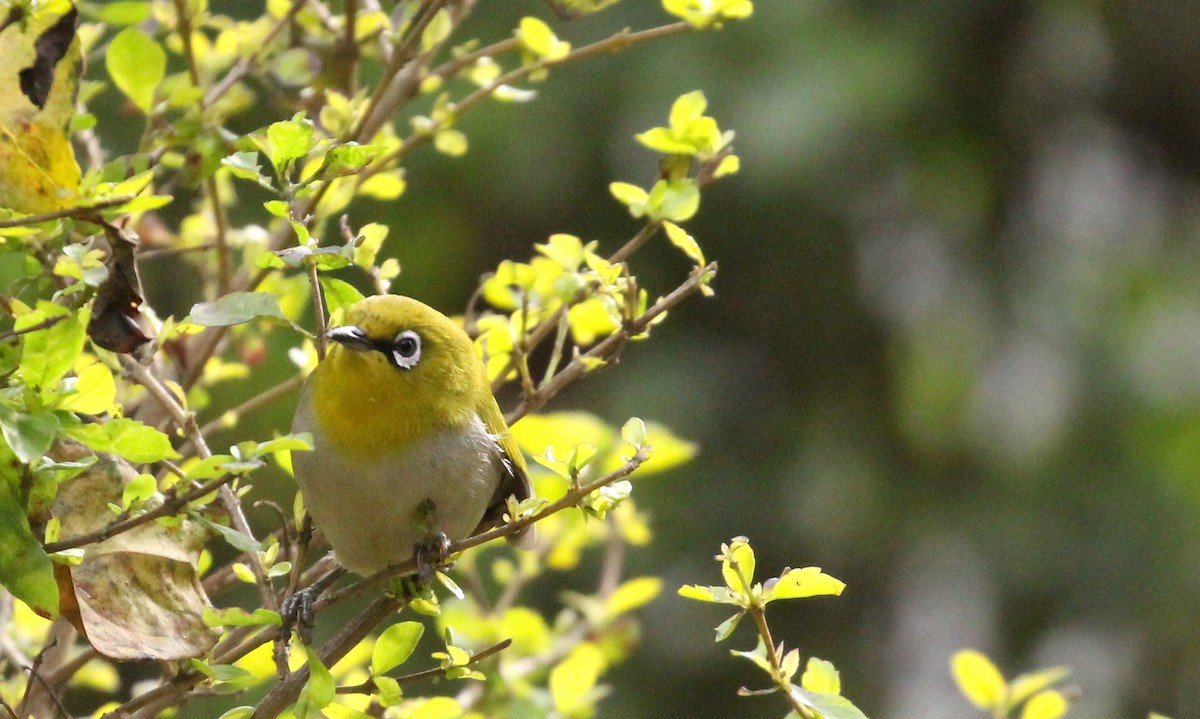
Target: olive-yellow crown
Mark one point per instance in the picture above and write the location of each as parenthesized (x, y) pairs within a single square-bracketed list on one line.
[(396, 370)]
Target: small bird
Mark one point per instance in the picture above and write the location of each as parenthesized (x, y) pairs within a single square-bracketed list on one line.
[(410, 449)]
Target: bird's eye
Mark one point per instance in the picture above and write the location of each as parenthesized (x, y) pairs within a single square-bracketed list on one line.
[(406, 349)]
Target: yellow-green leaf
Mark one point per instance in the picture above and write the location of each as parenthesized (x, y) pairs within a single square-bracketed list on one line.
[(395, 645), (94, 391), (1026, 685), (681, 239), (126, 438), (1050, 704), (805, 582), (738, 566), (572, 681), (633, 594), (136, 64), (821, 676), (978, 679)]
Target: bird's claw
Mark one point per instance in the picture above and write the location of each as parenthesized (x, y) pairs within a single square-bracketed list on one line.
[(297, 613), (431, 554)]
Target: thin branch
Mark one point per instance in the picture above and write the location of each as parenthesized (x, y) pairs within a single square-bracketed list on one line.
[(318, 310), (612, 44), (610, 346), (161, 252), (186, 421), (238, 71), (35, 677), (371, 116), (351, 633), (368, 687), (568, 500), (174, 691), (256, 402), (172, 505), (76, 212), (44, 324)]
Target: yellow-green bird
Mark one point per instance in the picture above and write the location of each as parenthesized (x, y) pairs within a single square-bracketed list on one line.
[(410, 449)]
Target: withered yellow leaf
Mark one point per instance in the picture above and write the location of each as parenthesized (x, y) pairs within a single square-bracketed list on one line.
[(39, 76)]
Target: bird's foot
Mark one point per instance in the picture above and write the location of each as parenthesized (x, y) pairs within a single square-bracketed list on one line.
[(297, 613), (431, 554), (297, 608)]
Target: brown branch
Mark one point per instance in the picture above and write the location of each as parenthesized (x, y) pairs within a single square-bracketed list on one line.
[(238, 71), (77, 212), (186, 421), (610, 346), (351, 633), (256, 402), (568, 500), (170, 506), (612, 44), (37, 327)]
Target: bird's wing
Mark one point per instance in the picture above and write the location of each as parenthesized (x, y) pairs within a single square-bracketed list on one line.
[(514, 477)]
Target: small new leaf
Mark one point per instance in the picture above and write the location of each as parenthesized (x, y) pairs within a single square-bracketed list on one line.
[(978, 679), (801, 583), (395, 645)]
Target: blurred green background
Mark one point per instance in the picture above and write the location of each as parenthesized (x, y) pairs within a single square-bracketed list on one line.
[(952, 358)]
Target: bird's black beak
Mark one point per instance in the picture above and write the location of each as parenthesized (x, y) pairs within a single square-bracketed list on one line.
[(350, 336)]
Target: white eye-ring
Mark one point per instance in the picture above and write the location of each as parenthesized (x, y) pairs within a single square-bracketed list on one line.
[(406, 349)]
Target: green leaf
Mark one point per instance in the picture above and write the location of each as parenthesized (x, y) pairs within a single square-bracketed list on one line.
[(237, 540), (438, 29), (758, 656), (632, 594), (244, 165), (395, 645), (279, 208), (821, 676), (123, 12), (319, 691), (978, 679), (210, 467), (539, 40), (634, 432), (138, 489), (806, 582), (28, 435), (573, 679), (48, 354), (687, 109), (290, 139), (338, 293), (737, 566), (372, 236), (1049, 704), (1026, 685), (126, 438), (830, 706), (349, 158), (25, 569), (94, 391), (681, 239), (243, 712), (632, 196), (136, 64), (571, 9), (706, 594), (238, 617), (725, 628), (236, 308), (676, 200), (288, 442)]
